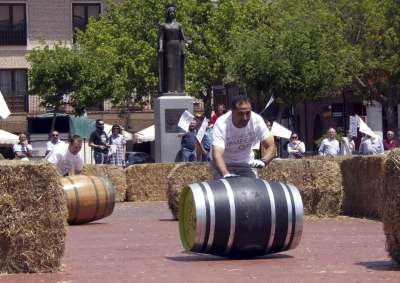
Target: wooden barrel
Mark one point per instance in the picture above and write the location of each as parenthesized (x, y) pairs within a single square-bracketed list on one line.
[(240, 217), (89, 198)]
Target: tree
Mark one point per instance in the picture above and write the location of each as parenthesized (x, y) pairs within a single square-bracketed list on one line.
[(296, 55), (54, 73), (372, 31)]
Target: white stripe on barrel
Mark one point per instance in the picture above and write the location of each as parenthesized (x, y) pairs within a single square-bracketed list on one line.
[(298, 206), (211, 203), (231, 199), (290, 216), (201, 216), (273, 215)]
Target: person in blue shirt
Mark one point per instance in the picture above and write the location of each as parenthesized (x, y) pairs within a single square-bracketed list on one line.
[(189, 143)]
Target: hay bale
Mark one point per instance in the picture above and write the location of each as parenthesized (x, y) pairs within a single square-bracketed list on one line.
[(114, 173), (181, 175), (147, 182), (390, 208), (32, 217), (319, 182), (362, 185)]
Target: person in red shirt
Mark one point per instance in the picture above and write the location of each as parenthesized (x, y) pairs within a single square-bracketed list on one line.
[(219, 112), (390, 142)]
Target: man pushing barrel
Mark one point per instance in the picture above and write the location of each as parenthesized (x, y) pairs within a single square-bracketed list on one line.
[(67, 158), (235, 133)]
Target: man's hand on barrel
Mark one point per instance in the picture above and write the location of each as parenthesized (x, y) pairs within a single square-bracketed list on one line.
[(230, 175), (257, 163)]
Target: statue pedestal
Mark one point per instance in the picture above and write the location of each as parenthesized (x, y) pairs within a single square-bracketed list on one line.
[(168, 110)]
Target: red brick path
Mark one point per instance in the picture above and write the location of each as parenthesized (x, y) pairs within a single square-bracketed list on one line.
[(139, 243)]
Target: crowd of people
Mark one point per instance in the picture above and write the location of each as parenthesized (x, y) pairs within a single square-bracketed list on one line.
[(232, 140), (66, 157)]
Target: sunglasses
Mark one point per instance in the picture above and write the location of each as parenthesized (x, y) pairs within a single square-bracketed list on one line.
[(295, 138), (55, 135)]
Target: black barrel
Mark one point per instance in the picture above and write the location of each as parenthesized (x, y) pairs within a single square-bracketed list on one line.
[(240, 217)]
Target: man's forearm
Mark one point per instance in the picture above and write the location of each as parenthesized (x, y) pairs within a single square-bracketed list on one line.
[(220, 165), (269, 154)]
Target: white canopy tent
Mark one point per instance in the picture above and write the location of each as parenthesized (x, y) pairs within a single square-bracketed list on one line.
[(8, 138), (145, 135)]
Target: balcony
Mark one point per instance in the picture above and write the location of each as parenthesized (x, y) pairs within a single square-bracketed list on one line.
[(13, 37)]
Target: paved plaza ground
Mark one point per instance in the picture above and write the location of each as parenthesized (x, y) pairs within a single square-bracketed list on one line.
[(140, 243)]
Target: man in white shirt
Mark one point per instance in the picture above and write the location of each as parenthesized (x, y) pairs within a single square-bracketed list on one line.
[(53, 142), (67, 158), (22, 150), (330, 145), (371, 145), (234, 135)]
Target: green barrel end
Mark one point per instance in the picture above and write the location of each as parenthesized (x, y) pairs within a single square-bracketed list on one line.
[(187, 218)]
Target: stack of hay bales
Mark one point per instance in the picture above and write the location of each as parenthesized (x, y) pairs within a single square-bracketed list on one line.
[(390, 209), (318, 180), (147, 182), (114, 173), (181, 175), (363, 178), (32, 217)]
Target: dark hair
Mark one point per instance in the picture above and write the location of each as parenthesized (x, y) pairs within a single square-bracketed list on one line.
[(238, 100), (75, 138), (116, 126), (99, 120)]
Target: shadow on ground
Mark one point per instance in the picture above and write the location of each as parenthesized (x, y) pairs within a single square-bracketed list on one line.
[(193, 257), (381, 265)]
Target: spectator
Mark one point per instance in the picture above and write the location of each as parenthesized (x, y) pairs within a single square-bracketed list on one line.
[(347, 145), (295, 147), (98, 141), (22, 150), (390, 142), (371, 145), (53, 142), (269, 125), (117, 144), (206, 143), (330, 145), (188, 143), (67, 158), (219, 112), (235, 133)]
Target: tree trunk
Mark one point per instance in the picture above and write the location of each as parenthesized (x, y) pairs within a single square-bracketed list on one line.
[(280, 112), (391, 119), (53, 122)]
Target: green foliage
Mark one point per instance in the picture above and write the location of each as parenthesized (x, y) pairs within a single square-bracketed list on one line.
[(296, 56), (53, 73)]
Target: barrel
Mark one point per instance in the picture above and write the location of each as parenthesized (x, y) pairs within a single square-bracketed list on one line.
[(89, 198), (240, 217)]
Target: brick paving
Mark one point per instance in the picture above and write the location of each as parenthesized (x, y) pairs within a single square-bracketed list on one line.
[(140, 243)]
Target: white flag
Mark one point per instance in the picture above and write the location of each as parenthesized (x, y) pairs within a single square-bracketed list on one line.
[(353, 125), (185, 120), (4, 111), (280, 131), (202, 130), (271, 99), (365, 129)]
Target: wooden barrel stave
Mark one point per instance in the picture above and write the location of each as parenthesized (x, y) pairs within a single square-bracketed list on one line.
[(241, 217), (89, 198)]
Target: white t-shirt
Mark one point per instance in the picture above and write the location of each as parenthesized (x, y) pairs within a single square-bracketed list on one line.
[(329, 147), (238, 142), (22, 148), (50, 145), (64, 160)]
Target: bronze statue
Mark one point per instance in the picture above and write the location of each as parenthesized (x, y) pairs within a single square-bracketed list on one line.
[(171, 54)]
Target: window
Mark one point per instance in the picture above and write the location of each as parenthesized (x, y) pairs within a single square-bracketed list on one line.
[(81, 14), (12, 24), (14, 87)]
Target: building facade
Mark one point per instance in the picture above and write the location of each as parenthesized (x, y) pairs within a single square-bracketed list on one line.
[(27, 24)]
